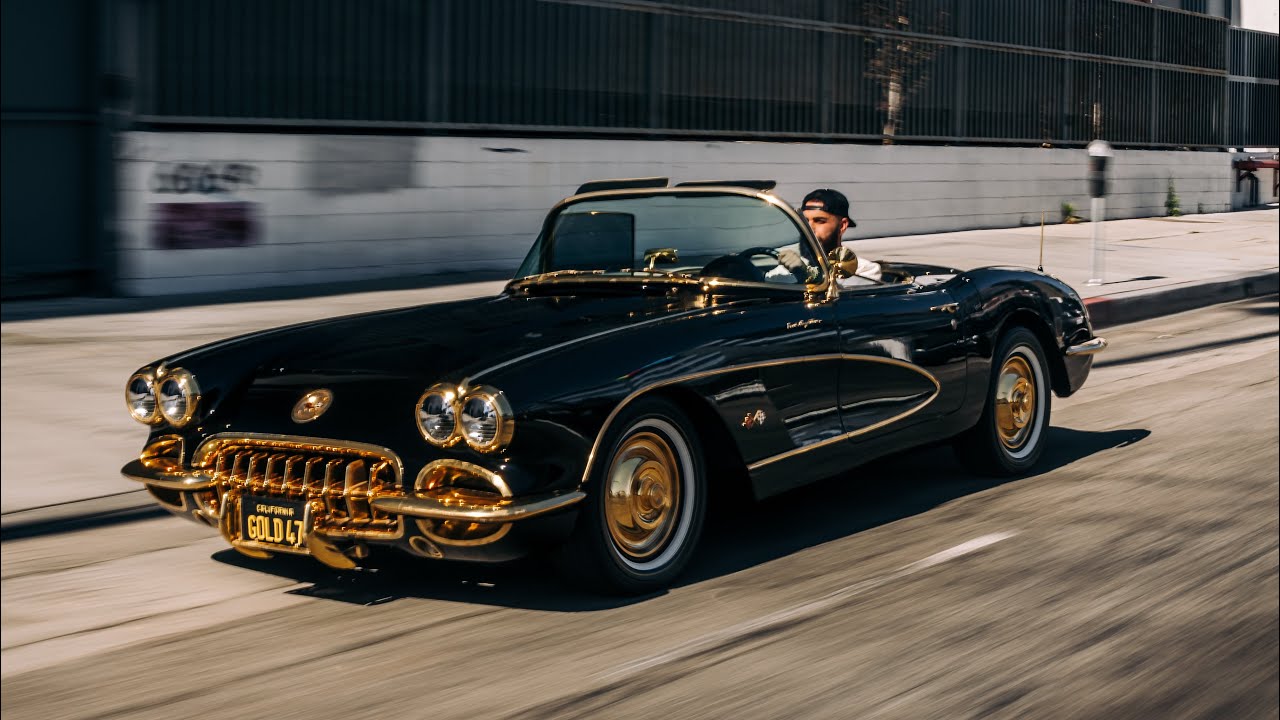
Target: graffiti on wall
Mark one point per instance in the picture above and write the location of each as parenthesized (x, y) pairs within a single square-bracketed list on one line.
[(187, 226), (200, 223), (202, 178)]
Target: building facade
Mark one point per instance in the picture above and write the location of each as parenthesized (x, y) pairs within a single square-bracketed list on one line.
[(157, 146)]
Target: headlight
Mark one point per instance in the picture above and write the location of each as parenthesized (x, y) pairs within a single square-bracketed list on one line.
[(437, 415), (140, 397), (178, 395), (486, 420)]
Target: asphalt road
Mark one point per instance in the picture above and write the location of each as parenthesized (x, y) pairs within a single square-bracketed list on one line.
[(1134, 576)]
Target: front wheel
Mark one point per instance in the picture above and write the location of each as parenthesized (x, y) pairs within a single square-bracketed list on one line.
[(1010, 436), (646, 503)]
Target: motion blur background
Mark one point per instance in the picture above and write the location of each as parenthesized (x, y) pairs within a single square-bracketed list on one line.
[(155, 147)]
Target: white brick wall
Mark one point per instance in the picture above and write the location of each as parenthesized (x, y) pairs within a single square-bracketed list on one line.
[(383, 207)]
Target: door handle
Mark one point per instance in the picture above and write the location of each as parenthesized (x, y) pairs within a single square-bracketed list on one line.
[(948, 308)]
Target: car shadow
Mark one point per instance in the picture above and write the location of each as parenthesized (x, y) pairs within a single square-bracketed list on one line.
[(878, 493), (1265, 306), (739, 535)]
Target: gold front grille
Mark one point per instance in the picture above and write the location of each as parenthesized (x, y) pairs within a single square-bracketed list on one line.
[(338, 481)]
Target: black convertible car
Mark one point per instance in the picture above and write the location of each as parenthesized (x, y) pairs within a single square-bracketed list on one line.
[(647, 353)]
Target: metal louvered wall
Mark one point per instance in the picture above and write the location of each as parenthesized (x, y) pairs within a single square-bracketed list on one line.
[(999, 71)]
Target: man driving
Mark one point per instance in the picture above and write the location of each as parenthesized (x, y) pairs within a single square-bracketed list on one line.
[(827, 212)]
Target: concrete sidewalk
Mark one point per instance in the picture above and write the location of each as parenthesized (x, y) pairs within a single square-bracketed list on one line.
[(64, 431)]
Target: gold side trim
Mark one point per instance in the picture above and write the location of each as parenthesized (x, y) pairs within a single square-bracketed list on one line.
[(517, 510), (860, 431), (1087, 348), (937, 387), (597, 335)]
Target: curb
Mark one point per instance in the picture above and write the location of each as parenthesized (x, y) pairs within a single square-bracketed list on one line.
[(19, 310), (79, 514), (1104, 311), (1133, 306)]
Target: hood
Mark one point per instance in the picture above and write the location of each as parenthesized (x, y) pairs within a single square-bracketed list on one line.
[(377, 364), (428, 343)]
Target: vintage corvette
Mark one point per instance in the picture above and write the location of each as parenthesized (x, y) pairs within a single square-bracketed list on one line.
[(647, 353)]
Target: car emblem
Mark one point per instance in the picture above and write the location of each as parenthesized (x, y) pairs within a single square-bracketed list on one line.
[(312, 405), (755, 419)]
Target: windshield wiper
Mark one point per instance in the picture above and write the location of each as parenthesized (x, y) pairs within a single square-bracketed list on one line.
[(657, 273), (624, 274), (541, 277)]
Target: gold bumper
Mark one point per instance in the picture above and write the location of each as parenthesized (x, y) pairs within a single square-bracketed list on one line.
[(351, 493), (522, 509)]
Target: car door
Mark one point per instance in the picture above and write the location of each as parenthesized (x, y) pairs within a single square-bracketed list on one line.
[(903, 361), (782, 411)]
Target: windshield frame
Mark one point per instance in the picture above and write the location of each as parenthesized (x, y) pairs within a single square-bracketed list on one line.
[(649, 278)]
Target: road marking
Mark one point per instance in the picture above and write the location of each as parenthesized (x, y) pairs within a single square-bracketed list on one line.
[(782, 619)]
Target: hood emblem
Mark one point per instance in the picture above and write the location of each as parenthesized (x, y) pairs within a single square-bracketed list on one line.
[(312, 405)]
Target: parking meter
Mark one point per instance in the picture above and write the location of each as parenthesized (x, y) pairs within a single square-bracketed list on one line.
[(1099, 157)]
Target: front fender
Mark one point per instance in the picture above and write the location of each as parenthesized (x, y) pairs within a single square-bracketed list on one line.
[(1042, 303)]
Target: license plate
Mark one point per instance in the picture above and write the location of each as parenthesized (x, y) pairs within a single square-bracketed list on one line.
[(272, 522)]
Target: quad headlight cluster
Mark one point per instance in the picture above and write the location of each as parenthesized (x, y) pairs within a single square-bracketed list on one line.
[(171, 396), (480, 417)]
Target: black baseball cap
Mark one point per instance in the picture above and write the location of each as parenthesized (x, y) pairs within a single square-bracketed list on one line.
[(828, 200)]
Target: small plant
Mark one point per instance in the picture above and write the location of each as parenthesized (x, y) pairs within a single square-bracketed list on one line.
[(1069, 213), (1172, 205)]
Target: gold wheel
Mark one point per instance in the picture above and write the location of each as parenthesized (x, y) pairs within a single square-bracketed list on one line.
[(642, 498), (1015, 402)]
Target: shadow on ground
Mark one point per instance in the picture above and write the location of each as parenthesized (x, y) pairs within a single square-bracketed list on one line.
[(738, 535), (1266, 306)]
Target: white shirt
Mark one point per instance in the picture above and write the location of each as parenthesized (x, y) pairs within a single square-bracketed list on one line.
[(868, 272)]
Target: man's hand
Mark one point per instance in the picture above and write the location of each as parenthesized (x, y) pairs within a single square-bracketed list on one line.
[(794, 262)]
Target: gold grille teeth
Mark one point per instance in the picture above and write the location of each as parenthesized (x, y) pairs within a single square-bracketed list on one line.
[(340, 483)]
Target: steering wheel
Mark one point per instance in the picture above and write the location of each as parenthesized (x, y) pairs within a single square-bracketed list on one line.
[(762, 250), (738, 266), (773, 253)]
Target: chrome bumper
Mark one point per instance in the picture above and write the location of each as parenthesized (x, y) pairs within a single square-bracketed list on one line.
[(1087, 348)]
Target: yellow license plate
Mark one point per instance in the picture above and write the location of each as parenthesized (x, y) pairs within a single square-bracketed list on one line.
[(273, 522)]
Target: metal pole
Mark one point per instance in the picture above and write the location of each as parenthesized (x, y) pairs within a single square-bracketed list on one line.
[(1040, 267), (1099, 154), (1097, 206)]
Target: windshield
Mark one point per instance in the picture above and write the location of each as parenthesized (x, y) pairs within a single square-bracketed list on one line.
[(704, 235)]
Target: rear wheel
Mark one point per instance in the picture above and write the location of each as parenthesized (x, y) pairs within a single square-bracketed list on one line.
[(646, 503), (1010, 436)]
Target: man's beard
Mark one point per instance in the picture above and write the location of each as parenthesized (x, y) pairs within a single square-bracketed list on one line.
[(829, 243)]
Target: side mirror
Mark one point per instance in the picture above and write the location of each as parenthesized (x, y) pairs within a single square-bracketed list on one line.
[(653, 256), (844, 262)]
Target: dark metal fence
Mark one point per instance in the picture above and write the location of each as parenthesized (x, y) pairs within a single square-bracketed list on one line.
[(1000, 71), (1254, 66)]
